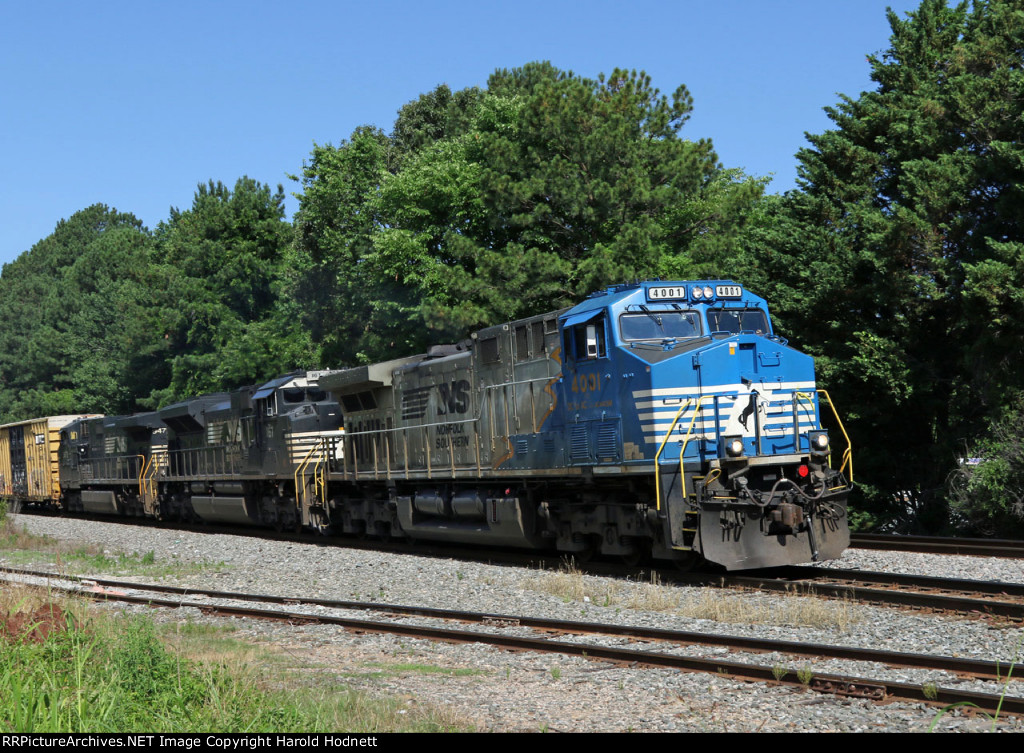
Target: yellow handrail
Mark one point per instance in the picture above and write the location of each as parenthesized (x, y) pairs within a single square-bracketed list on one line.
[(848, 452), (657, 470), (142, 471), (686, 439), (319, 486), (300, 496), (154, 468), (689, 431)]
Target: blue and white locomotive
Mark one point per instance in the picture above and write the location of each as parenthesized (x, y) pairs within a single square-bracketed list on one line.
[(662, 419), (653, 419)]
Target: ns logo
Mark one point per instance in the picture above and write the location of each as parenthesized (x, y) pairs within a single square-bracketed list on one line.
[(453, 398)]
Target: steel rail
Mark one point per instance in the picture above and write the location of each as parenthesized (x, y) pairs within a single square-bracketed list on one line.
[(858, 687), (1005, 548), (886, 597), (925, 582), (961, 666)]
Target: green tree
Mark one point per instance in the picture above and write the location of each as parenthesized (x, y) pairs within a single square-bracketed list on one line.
[(216, 286), (910, 227), (986, 491), (353, 313), (489, 205), (72, 309)]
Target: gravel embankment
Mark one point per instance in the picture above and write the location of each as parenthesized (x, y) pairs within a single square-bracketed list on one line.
[(532, 692)]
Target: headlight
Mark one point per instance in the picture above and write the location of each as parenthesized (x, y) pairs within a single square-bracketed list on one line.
[(708, 292), (733, 446), (819, 441), (697, 293)]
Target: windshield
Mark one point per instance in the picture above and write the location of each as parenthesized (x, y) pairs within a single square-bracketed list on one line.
[(659, 325), (738, 320)]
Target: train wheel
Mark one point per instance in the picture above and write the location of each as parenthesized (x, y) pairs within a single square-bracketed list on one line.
[(640, 554), (586, 554), (686, 562)]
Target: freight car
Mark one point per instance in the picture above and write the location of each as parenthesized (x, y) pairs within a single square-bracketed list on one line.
[(652, 419)]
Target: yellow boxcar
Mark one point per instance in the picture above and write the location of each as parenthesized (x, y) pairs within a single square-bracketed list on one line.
[(29, 458)]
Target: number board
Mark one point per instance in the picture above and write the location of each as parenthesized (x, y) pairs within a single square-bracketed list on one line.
[(729, 291), (666, 293)]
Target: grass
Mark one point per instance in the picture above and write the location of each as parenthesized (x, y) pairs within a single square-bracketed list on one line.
[(931, 692), (66, 667), (69, 667), (571, 586), (20, 547), (428, 669)]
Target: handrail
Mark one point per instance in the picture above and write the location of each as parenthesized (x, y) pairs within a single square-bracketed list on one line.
[(202, 461), (657, 472), (154, 469), (300, 497), (686, 439), (848, 452), (142, 473)]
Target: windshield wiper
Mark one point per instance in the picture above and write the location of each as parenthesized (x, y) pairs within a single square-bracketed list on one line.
[(655, 319)]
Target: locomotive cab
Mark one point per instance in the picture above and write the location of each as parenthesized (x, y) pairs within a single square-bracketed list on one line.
[(690, 380)]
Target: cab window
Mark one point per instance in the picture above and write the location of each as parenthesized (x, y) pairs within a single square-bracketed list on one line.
[(659, 325), (589, 340), (738, 320)]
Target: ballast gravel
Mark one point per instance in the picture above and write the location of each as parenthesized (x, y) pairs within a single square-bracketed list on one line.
[(490, 689)]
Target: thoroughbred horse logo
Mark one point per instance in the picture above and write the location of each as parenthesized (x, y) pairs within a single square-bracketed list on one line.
[(749, 410)]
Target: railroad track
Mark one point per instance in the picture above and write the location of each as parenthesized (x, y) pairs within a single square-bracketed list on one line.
[(525, 633), (953, 596), (1008, 548), (1003, 548), (950, 595)]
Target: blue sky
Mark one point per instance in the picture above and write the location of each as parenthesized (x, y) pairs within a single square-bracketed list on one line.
[(132, 104)]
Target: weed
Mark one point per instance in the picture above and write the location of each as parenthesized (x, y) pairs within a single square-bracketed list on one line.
[(804, 675), (778, 672), (22, 546), (930, 690), (964, 704), (556, 673), (570, 585), (707, 604), (98, 673), (430, 669)]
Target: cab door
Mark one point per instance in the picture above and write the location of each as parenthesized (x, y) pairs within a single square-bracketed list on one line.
[(588, 392)]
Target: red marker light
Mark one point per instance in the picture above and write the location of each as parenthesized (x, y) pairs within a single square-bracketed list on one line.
[(802, 471)]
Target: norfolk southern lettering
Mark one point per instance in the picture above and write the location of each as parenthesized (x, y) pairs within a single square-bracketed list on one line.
[(453, 398), (451, 435)]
